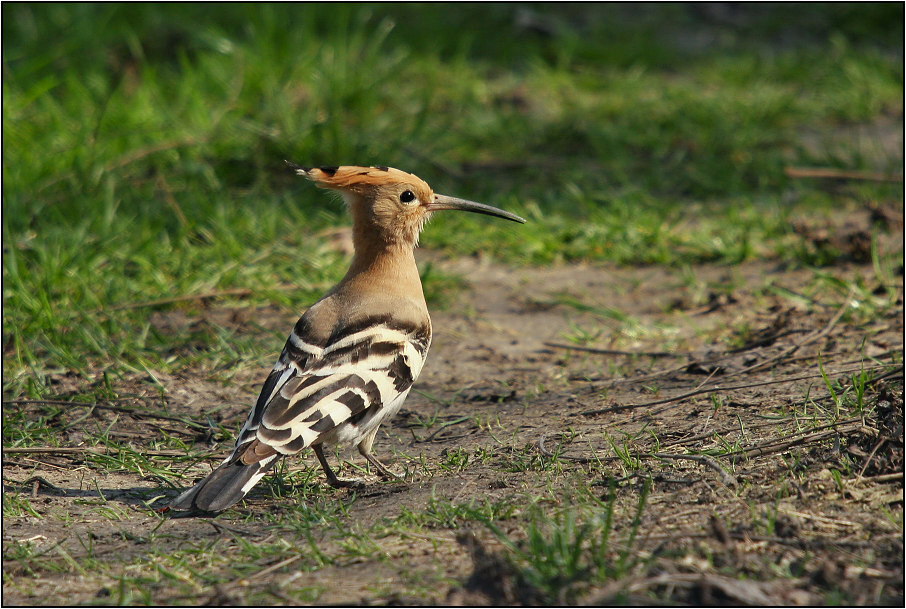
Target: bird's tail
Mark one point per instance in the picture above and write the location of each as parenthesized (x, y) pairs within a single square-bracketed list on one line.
[(223, 487)]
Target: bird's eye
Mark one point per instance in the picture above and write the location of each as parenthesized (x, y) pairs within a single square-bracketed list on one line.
[(407, 196)]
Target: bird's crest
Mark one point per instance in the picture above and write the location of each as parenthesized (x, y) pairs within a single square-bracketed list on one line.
[(354, 178)]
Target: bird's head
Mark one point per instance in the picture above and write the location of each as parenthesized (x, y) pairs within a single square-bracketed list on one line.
[(387, 204)]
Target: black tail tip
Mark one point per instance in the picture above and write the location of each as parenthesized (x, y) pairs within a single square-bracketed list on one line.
[(193, 513)]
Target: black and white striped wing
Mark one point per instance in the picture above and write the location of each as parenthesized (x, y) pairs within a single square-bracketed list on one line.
[(315, 389)]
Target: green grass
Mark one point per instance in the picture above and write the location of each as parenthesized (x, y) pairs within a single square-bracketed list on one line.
[(145, 158), (563, 554)]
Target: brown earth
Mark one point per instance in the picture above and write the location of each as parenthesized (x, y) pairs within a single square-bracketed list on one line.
[(787, 511)]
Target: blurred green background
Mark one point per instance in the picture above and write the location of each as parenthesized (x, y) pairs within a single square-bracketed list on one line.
[(143, 145)]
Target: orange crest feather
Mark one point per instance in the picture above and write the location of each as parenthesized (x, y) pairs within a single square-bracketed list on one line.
[(353, 177)]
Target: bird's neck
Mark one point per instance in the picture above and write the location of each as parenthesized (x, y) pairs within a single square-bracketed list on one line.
[(385, 267)]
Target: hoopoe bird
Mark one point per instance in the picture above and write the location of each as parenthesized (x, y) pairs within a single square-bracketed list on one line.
[(353, 356)]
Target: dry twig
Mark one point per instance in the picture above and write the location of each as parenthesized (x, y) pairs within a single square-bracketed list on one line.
[(840, 174), (703, 459), (776, 446), (132, 411), (615, 351), (809, 338), (748, 592), (718, 388), (84, 450)]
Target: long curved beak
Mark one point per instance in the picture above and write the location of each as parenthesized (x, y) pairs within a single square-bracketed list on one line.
[(445, 202)]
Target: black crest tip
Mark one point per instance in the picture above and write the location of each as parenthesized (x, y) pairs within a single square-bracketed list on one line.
[(297, 168)]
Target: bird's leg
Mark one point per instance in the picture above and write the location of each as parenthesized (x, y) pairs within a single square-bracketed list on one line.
[(332, 479), (365, 450)]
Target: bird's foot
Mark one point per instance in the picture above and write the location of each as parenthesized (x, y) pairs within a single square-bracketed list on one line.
[(355, 483), (382, 469)]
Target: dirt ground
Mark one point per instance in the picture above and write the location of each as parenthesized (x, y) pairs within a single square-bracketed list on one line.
[(786, 511)]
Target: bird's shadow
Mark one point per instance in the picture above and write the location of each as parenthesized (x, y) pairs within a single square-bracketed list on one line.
[(135, 496), (157, 499)]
